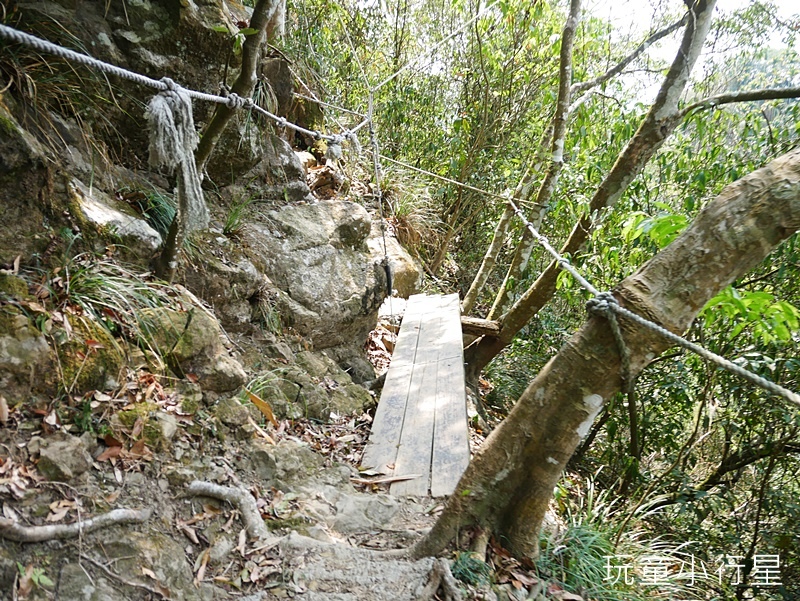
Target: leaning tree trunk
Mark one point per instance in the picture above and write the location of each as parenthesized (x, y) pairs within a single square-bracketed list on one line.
[(508, 486), (661, 120)]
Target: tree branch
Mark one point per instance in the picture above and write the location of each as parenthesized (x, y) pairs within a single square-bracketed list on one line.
[(244, 85), (731, 463), (659, 123), (577, 88), (746, 96), (558, 125)]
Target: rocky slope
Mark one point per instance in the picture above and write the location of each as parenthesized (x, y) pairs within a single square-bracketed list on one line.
[(118, 392)]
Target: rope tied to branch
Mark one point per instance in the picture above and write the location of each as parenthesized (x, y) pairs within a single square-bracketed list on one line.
[(173, 140), (601, 304)]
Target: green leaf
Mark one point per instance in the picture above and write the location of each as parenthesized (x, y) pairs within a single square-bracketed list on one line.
[(220, 29), (248, 31)]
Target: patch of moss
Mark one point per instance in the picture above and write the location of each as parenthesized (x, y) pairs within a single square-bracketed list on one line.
[(89, 357), (128, 417), (14, 287), (293, 523)]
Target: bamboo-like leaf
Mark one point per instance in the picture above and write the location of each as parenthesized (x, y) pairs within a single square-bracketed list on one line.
[(263, 406)]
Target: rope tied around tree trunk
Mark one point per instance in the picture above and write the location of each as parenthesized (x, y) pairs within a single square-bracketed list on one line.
[(173, 140), (601, 305)]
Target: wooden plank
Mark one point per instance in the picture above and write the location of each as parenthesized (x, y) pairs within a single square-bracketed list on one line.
[(420, 425), (381, 450), (405, 348), (451, 435), (416, 440), (450, 338), (475, 326), (414, 452)]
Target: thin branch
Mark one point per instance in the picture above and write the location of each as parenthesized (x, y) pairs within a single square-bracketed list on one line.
[(12, 530), (747, 96), (577, 88), (731, 463)]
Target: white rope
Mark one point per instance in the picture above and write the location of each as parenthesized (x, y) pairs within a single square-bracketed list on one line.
[(233, 101), (603, 302), (173, 140), (503, 197)]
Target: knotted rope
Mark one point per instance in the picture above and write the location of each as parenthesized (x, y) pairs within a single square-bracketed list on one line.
[(173, 140)]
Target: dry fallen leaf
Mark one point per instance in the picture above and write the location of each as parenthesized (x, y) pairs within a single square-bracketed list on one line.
[(109, 453), (58, 514), (262, 406), (149, 573), (200, 565)]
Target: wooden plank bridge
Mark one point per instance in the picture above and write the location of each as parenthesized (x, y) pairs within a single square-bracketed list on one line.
[(420, 426)]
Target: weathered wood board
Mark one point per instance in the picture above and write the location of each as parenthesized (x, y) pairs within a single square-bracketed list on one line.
[(420, 426)]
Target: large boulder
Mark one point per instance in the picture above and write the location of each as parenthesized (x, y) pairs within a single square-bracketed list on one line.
[(113, 220), (317, 255), (191, 343), (24, 354), (406, 271)]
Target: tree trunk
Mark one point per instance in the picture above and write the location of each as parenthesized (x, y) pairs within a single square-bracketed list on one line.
[(508, 486), (662, 119), (264, 18), (489, 260), (559, 128)]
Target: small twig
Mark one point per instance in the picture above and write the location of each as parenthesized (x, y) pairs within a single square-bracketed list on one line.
[(11, 530), (125, 581)]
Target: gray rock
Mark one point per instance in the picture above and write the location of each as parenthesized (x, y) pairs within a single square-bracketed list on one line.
[(341, 573), (24, 357), (167, 424), (362, 513), (228, 282), (155, 551), (75, 585), (280, 175), (315, 254), (62, 457), (113, 220), (407, 272), (191, 342), (232, 413), (287, 461)]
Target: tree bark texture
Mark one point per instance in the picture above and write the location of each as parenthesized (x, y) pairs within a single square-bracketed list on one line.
[(662, 119), (509, 484)]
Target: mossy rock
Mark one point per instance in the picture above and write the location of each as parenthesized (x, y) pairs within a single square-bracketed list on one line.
[(14, 287), (158, 427), (182, 335), (89, 356), (129, 416)]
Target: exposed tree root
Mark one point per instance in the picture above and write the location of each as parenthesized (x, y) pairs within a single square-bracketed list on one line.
[(239, 498), (12, 530), (441, 578)]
